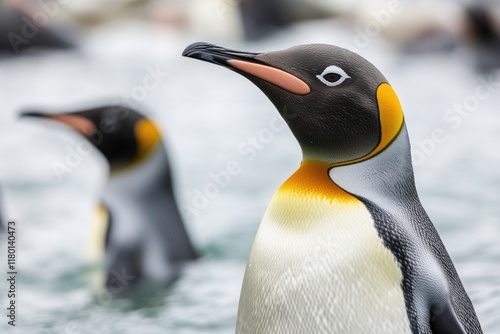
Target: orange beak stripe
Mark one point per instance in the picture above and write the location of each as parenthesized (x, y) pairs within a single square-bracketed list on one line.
[(273, 75), (79, 123)]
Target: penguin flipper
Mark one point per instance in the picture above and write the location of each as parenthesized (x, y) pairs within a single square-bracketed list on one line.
[(443, 319)]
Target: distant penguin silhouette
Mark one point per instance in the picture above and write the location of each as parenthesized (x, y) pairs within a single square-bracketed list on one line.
[(146, 241), (486, 39), (19, 32), (261, 18), (345, 245)]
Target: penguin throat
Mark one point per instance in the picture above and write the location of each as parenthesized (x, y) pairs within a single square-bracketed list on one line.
[(312, 179)]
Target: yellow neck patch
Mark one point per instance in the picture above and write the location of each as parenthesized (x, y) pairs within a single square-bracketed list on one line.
[(307, 200), (312, 179), (391, 121), (147, 136)]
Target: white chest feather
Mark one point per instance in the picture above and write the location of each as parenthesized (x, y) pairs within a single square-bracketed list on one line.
[(317, 265)]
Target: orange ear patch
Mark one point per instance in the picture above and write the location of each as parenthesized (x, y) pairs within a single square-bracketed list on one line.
[(273, 75), (391, 115), (147, 136)]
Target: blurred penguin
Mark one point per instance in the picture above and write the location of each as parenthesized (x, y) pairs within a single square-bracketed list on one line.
[(261, 18), (484, 29), (145, 239), (438, 27), (25, 25)]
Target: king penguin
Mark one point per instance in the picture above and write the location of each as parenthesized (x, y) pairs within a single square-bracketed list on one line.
[(345, 245), (146, 241)]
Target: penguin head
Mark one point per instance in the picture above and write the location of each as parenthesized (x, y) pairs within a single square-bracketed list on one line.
[(338, 105), (123, 135)]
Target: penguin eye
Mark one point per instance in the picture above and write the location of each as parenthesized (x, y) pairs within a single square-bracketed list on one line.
[(333, 76)]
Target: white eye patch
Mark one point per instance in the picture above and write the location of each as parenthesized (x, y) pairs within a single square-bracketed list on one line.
[(333, 76)]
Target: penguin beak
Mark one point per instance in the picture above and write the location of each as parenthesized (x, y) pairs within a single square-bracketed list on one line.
[(246, 63), (79, 123), (217, 54)]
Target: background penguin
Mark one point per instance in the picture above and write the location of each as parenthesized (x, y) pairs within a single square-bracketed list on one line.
[(260, 18), (485, 37), (345, 245), (146, 240), (19, 31)]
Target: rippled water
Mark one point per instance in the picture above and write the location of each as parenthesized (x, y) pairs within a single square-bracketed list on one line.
[(208, 115)]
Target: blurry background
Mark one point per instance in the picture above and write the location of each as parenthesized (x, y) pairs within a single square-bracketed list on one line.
[(442, 57)]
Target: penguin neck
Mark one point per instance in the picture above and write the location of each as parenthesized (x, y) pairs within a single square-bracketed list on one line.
[(329, 156), (386, 179), (388, 174), (312, 179), (320, 156), (307, 197)]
